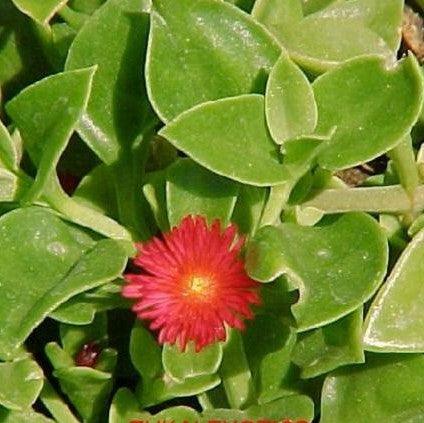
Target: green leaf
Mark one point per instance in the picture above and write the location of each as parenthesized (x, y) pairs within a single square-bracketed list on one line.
[(46, 114), (192, 189), (336, 265), (312, 6), (222, 51), (50, 261), (74, 337), (22, 381), (165, 388), (146, 355), (81, 309), (56, 405), (182, 365), (388, 388), (319, 42), (27, 416), (40, 11), (157, 386), (125, 408), (8, 153), (182, 414), (393, 323), (293, 407), (372, 106), (273, 13), (235, 372), (97, 191), (115, 40), (235, 141), (248, 208), (290, 106), (384, 18), (154, 191), (87, 389), (268, 343), (324, 349)]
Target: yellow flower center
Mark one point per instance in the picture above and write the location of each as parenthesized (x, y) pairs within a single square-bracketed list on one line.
[(199, 286)]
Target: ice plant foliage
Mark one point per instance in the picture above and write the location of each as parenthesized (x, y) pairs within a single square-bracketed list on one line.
[(192, 283)]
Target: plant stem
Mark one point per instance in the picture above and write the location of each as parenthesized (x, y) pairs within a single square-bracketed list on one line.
[(404, 161), (388, 199)]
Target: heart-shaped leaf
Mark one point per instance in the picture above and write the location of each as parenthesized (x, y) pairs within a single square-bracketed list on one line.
[(336, 265), (372, 106), (44, 262), (192, 189), (394, 322), (189, 38)]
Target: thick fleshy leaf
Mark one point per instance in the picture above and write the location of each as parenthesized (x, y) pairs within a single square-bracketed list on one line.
[(268, 343), (189, 38), (146, 355), (324, 349), (234, 140), (27, 416), (40, 11), (22, 381), (312, 6), (8, 154), (235, 372), (74, 337), (183, 414), (290, 106), (88, 390), (125, 408), (248, 209), (50, 261), (114, 39), (318, 42), (192, 189), (384, 18), (293, 408), (96, 190), (372, 106), (394, 322), (82, 308), (165, 388), (157, 386), (181, 365), (46, 114), (154, 191), (336, 265), (388, 388)]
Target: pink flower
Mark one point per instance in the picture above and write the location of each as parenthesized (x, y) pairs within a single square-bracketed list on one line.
[(192, 283)]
